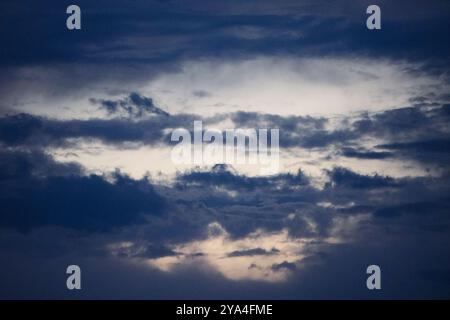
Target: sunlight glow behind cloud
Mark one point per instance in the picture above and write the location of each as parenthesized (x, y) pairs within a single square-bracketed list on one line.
[(291, 86)]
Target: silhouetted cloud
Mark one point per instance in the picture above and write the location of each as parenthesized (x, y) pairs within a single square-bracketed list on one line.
[(252, 252), (364, 154), (134, 105), (284, 265), (38, 191), (341, 177)]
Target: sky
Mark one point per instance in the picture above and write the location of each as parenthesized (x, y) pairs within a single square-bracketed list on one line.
[(88, 178)]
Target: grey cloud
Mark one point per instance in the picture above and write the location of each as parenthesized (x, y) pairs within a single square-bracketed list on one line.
[(284, 265), (135, 105), (253, 252), (365, 154), (192, 207), (420, 134)]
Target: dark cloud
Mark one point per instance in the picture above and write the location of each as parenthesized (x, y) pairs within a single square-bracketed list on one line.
[(33, 163), (39, 195), (39, 192), (407, 129), (409, 123), (364, 154), (134, 106), (420, 134), (143, 250), (341, 177), (224, 176), (168, 31), (253, 252), (428, 151), (284, 265), (25, 129), (86, 203), (419, 208)]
